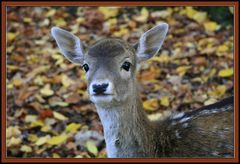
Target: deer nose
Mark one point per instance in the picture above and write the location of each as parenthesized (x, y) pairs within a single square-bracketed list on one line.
[(99, 88)]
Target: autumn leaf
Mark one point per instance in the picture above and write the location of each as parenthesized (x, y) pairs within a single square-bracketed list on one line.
[(109, 12), (13, 131), (46, 90), (57, 140), (13, 142), (42, 140), (151, 104), (91, 147), (26, 148), (226, 72), (73, 127), (66, 81), (11, 36), (59, 116), (211, 26), (164, 101), (182, 70), (143, 16)]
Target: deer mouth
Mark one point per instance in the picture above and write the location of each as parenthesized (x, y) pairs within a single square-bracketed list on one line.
[(101, 95)]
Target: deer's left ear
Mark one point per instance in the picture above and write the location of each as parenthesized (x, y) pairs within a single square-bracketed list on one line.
[(151, 41)]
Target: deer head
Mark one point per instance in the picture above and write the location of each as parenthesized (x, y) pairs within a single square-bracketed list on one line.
[(110, 64)]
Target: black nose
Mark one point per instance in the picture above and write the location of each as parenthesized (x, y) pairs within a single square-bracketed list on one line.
[(99, 89)]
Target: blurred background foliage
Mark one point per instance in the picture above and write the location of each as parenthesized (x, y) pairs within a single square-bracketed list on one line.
[(48, 110)]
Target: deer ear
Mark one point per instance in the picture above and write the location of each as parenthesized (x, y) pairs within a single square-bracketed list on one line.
[(69, 45), (150, 42)]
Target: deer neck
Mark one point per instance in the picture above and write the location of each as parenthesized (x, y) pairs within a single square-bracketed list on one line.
[(127, 130)]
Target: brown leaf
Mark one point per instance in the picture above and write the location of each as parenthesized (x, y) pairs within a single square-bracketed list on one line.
[(74, 98), (46, 113), (24, 94)]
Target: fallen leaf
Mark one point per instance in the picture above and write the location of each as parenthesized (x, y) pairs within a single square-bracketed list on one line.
[(226, 72), (46, 90), (30, 118), (182, 69), (108, 12), (14, 142), (32, 137), (74, 98), (55, 155), (13, 131), (164, 101), (59, 116), (143, 16), (42, 140), (73, 127), (91, 147), (66, 81), (211, 26), (57, 140), (36, 123), (17, 82), (26, 148), (11, 36), (151, 104)]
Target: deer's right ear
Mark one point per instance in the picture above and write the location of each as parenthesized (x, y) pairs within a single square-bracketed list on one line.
[(69, 45)]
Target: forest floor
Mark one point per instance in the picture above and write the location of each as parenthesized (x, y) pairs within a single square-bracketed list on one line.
[(49, 113)]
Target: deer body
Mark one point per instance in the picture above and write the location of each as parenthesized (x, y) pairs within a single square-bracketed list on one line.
[(110, 66)]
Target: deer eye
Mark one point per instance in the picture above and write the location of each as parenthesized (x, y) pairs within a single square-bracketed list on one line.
[(126, 66), (85, 67)]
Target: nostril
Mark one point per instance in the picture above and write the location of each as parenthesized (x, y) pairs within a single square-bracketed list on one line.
[(100, 89)]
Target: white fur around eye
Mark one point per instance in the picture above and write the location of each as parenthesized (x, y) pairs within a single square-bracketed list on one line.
[(125, 74)]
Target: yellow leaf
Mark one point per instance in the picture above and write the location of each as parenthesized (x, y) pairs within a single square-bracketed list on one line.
[(36, 123), (121, 32), (163, 58), (42, 140), (164, 101), (13, 131), (46, 91), (144, 15), (59, 116), (50, 13), (226, 72), (27, 20), (57, 140), (151, 104), (11, 36), (46, 128), (55, 155), (91, 147), (17, 82), (109, 11), (200, 17), (26, 148), (73, 127), (222, 48), (66, 81), (30, 118), (59, 22), (182, 69), (210, 101), (14, 141), (211, 26), (219, 91), (32, 137)]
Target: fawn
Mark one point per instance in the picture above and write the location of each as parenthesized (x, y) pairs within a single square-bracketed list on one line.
[(110, 66)]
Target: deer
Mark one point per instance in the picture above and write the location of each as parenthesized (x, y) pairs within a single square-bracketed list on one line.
[(110, 65)]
